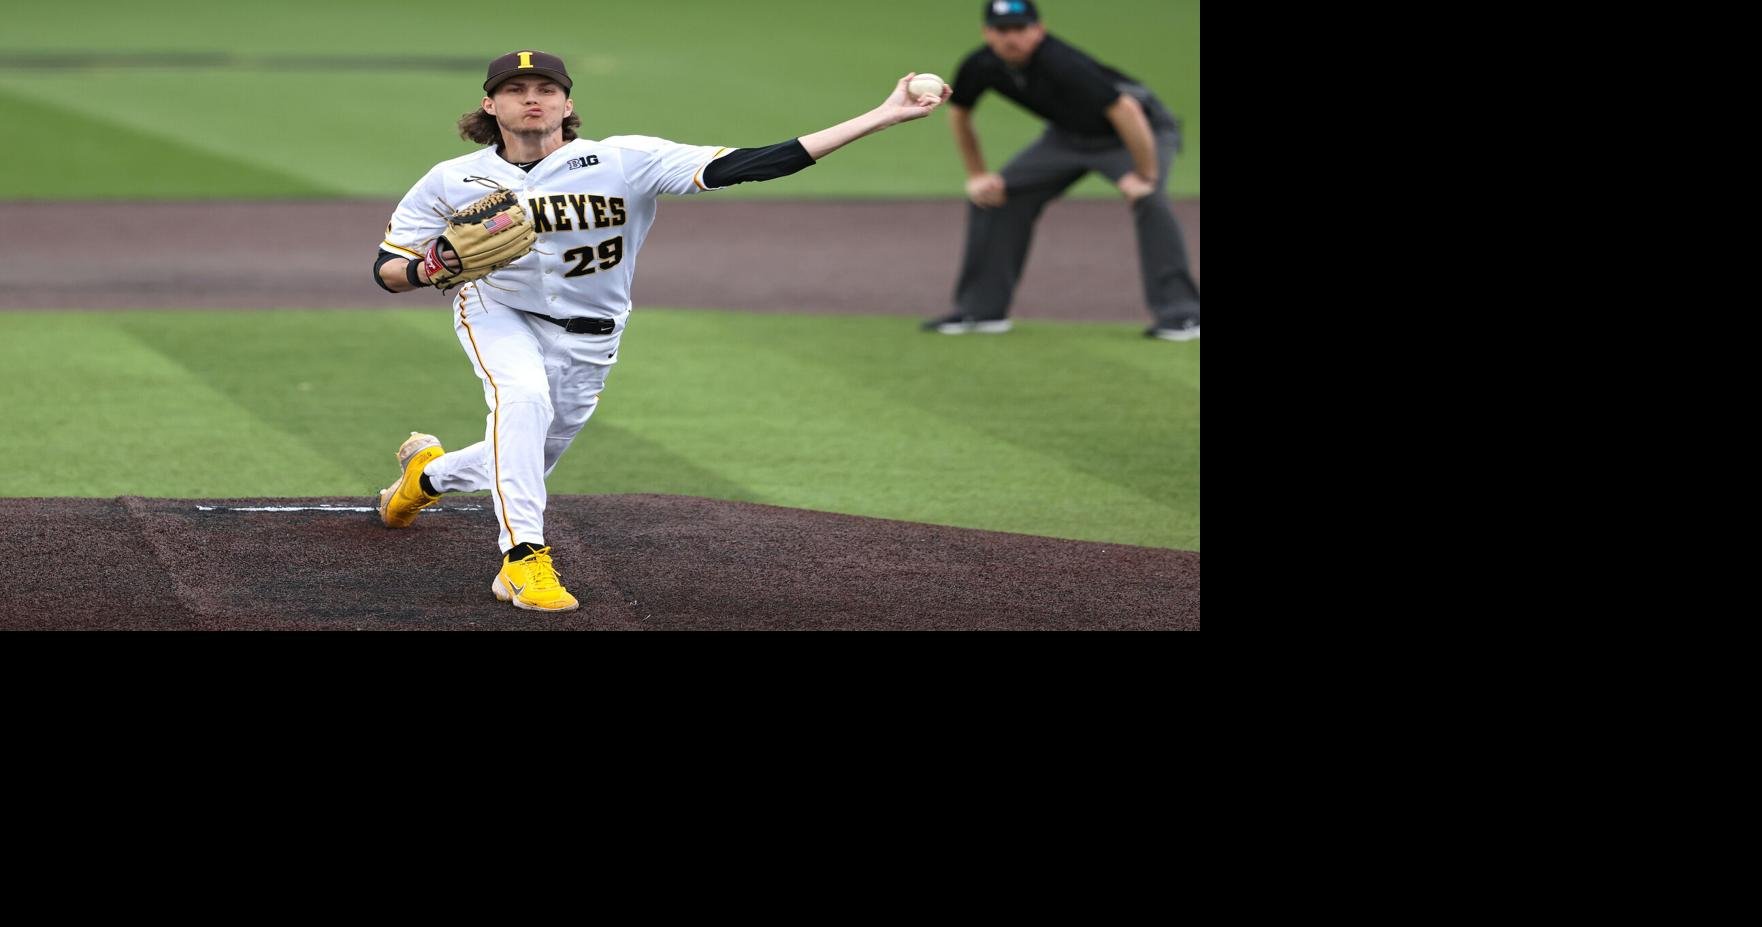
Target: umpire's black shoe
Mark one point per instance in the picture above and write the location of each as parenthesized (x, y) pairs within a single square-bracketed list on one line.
[(1174, 331), (958, 324)]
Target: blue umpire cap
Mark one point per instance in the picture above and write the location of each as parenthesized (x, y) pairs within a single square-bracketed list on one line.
[(1010, 12)]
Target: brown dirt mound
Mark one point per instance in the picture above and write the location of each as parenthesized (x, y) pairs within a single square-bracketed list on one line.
[(637, 562), (869, 257)]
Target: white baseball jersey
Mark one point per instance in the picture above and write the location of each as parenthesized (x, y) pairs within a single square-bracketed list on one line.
[(592, 204)]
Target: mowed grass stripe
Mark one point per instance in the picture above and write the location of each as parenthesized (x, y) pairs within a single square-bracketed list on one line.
[(66, 153), (869, 416), (91, 411), (1027, 432), (690, 75), (352, 384), (813, 437)]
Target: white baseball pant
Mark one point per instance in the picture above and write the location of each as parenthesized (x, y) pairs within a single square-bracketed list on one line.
[(541, 388)]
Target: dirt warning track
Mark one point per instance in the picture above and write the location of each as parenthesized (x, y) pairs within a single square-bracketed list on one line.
[(868, 257), (637, 562)]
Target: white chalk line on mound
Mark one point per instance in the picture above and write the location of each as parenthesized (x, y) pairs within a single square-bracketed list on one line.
[(326, 508)]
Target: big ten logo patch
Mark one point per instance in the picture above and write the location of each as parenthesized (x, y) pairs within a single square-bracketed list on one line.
[(586, 161), (565, 211)]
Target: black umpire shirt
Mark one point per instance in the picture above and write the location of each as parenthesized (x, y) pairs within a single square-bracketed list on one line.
[(1060, 84)]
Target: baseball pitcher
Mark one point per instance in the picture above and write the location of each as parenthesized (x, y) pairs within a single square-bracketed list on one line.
[(539, 231)]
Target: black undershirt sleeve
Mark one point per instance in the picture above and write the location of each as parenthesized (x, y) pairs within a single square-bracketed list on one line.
[(768, 163), (384, 256)]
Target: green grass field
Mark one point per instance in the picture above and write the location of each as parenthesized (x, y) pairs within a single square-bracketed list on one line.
[(322, 98), (1084, 431), (1079, 431)]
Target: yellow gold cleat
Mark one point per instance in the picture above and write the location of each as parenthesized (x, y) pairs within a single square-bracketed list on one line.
[(399, 502), (533, 583)]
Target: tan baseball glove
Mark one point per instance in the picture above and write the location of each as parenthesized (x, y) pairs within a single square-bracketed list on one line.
[(484, 235)]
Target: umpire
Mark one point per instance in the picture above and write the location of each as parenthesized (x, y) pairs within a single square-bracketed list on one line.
[(1098, 119)]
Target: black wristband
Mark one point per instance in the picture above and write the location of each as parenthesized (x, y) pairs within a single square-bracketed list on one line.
[(410, 273)]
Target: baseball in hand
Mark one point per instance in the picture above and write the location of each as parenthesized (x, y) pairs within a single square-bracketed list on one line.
[(924, 84)]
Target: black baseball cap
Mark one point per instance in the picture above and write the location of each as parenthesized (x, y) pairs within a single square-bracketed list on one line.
[(514, 64), (1010, 12)]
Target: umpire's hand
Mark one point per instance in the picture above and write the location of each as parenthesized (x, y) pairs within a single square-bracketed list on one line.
[(986, 190), (1134, 187)]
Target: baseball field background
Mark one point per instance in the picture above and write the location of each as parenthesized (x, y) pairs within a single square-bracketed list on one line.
[(1062, 429), (330, 98)]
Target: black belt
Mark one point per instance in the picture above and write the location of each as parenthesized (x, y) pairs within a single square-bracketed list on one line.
[(581, 326)]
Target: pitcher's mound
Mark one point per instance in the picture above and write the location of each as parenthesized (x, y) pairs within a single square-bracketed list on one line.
[(636, 562)]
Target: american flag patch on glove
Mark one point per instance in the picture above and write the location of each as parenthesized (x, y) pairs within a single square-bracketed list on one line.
[(497, 222)]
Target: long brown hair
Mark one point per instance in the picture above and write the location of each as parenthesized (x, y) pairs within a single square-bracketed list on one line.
[(480, 127)]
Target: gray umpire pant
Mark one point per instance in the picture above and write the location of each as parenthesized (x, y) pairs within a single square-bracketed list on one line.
[(998, 238)]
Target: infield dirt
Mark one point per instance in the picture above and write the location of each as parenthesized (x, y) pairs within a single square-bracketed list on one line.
[(637, 562), (876, 258)]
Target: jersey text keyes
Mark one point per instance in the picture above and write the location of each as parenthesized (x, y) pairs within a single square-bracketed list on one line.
[(562, 212)]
